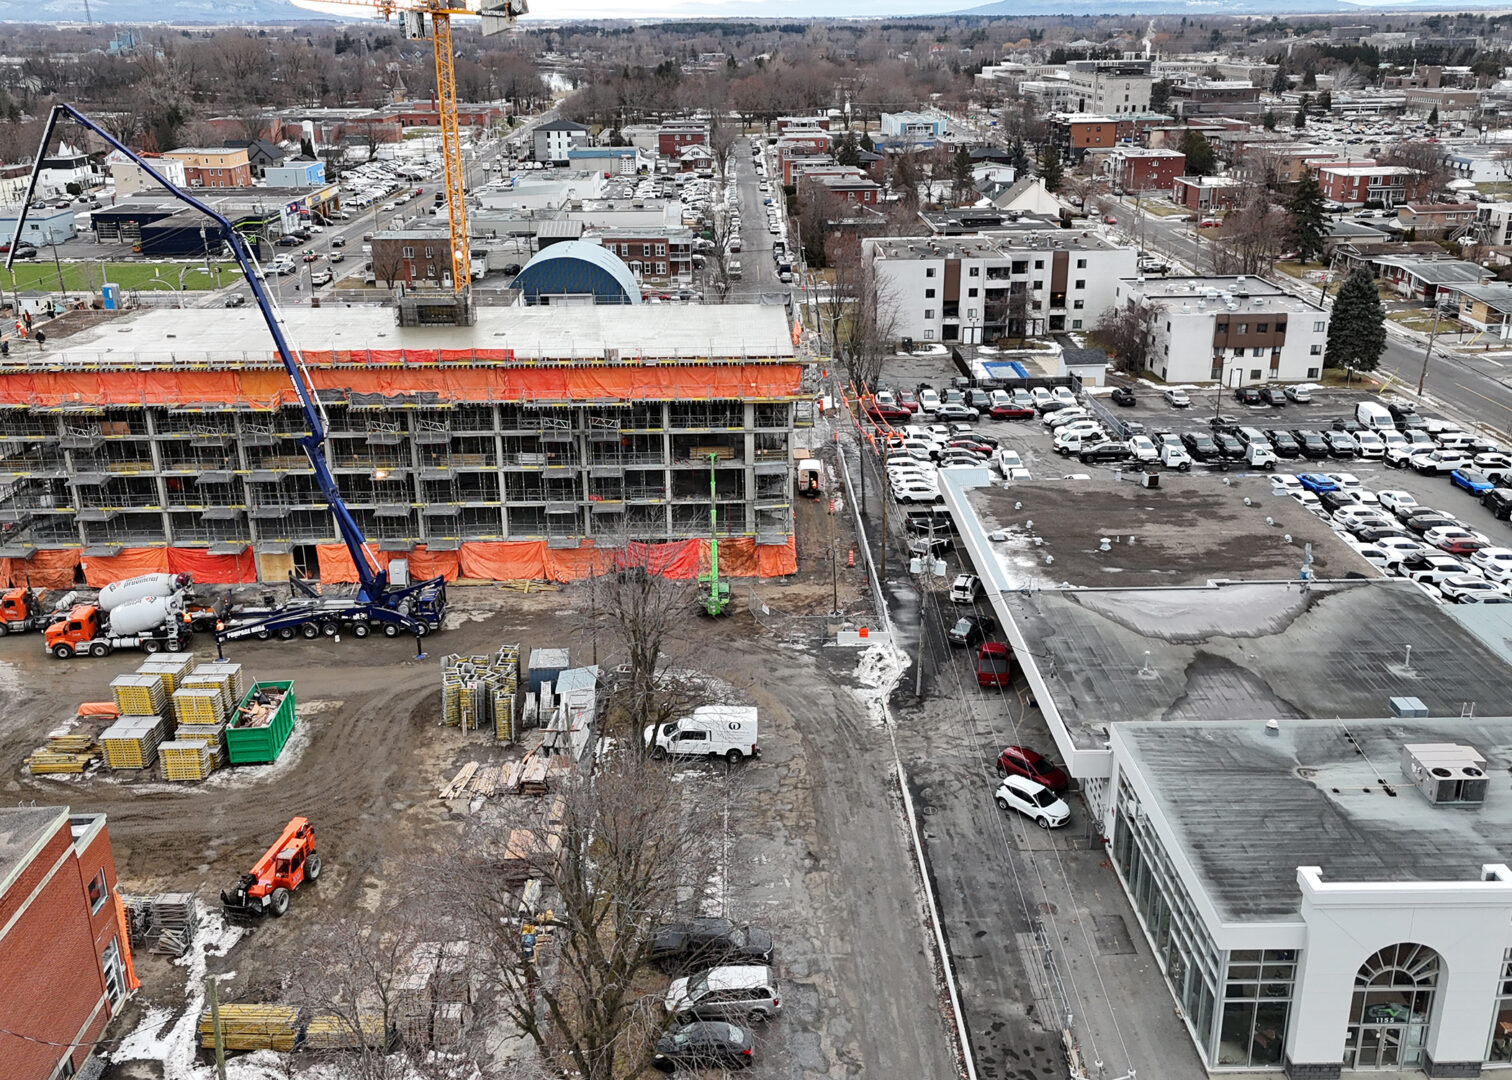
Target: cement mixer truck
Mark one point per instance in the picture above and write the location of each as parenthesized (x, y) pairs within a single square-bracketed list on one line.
[(144, 613)]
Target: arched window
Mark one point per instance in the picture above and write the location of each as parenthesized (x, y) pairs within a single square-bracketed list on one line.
[(1392, 1008)]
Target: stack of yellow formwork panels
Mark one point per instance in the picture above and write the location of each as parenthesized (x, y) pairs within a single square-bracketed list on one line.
[(139, 695), (199, 705), (132, 741), (252, 1027), (212, 735), (228, 671), (170, 667), (185, 760), (481, 692)]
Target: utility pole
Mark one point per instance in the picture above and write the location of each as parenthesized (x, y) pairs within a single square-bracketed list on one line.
[(215, 1026), (1423, 375), (926, 567)]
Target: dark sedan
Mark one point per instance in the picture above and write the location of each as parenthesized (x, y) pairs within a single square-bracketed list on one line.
[(1312, 443), (707, 1044), (1273, 396), (1123, 396), (971, 630), (1200, 446), (710, 941)]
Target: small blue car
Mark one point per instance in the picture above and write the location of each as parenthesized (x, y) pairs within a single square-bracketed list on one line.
[(1473, 482), (1316, 483)]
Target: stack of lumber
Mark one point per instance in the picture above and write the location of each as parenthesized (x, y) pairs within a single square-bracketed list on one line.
[(528, 850), (169, 667), (284, 1027), (139, 695), (413, 1003), (199, 705), (132, 741), (63, 754), (163, 923), (481, 692), (527, 776), (471, 779), (188, 760)]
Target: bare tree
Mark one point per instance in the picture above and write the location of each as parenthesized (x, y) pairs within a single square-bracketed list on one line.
[(1252, 236), (388, 261), (860, 312), (1125, 332), (721, 141), (612, 856), (1427, 158)]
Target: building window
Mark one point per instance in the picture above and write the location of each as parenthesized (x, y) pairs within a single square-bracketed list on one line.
[(1316, 350), (1500, 1048), (1319, 326), (1039, 264), (1081, 264), (1257, 351), (929, 271), (971, 292), (408, 252), (1254, 374), (1076, 324), (928, 335), (929, 294), (1221, 328), (1312, 373), (661, 249), (975, 271), (1081, 283), (929, 313), (1258, 988), (1243, 328), (1262, 328), (430, 252), (1037, 286), (98, 892), (1079, 304), (1020, 266)]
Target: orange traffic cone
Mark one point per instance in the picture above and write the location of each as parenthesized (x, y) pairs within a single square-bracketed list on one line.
[(850, 560)]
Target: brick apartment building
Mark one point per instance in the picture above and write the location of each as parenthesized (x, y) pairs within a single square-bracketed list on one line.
[(1079, 132), (1136, 169), (650, 253), (671, 138), (843, 181), (1389, 185), (65, 964), (413, 256), (1203, 193), (214, 167)]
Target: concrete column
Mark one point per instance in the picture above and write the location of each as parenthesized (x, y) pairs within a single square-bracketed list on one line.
[(158, 480)]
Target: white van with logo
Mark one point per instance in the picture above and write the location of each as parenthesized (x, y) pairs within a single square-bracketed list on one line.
[(712, 731)]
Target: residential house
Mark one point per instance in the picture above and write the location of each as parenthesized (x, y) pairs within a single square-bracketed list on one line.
[(677, 134), (1423, 278), (1134, 168), (214, 167), (261, 154), (65, 961), (654, 254), (1354, 185), (551, 142), (1437, 219), (1204, 193), (1486, 307), (131, 178)]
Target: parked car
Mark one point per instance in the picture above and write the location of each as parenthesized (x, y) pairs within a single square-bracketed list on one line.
[(1200, 446), (1398, 502), (1172, 454), (1011, 412), (1178, 399), (705, 941), (1420, 521), (954, 411), (1340, 444), (1439, 461), (1022, 761), (1312, 443), (971, 630), (1494, 562), (1248, 395), (1033, 800), (1230, 448), (1469, 588), (1104, 452), (1472, 481), (1368, 444), (1123, 396), (965, 589), (1282, 443), (733, 991), (705, 1045), (1499, 502), (1273, 396), (1317, 483), (1284, 482), (1143, 448), (1301, 393), (1432, 568)]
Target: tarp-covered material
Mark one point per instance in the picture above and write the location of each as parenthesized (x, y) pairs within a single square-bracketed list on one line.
[(207, 569), (101, 570), (679, 559), (46, 569), (428, 564), (5, 573), (518, 560), (266, 388), (777, 560), (336, 566)]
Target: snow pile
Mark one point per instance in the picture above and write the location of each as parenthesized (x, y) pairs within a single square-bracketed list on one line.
[(878, 670), (159, 1038)]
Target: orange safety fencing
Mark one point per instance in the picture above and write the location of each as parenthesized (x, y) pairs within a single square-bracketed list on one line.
[(101, 570), (207, 569), (680, 382), (46, 569)]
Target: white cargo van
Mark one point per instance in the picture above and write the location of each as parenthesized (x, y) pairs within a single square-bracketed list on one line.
[(1375, 417), (727, 731)]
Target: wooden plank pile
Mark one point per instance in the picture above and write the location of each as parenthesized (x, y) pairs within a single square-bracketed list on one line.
[(527, 850), (163, 923), (482, 692), (132, 741), (285, 1028), (64, 754), (472, 779), (528, 776)]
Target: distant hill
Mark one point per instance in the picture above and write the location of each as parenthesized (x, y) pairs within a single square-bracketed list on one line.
[(221, 12), (1223, 7)]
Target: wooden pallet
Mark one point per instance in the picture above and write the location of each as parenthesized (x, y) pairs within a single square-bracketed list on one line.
[(459, 782)]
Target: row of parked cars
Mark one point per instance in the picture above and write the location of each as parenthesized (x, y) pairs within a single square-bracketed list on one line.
[(965, 402), (729, 982), (1398, 535)]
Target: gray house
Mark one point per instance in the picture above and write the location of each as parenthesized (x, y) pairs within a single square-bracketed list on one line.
[(553, 141)]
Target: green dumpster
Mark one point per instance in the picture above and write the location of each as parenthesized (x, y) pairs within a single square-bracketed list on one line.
[(262, 724)]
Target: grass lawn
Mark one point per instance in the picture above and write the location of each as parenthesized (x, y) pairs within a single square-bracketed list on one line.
[(1417, 320), (41, 275), (1163, 209)]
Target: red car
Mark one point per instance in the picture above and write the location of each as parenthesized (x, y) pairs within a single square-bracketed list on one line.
[(1022, 761), (888, 413), (1011, 412), (994, 666), (1460, 547), (909, 400)]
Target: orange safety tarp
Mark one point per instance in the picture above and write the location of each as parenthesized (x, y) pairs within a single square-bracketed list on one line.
[(679, 559), (337, 568), (575, 564), (106, 709), (777, 560), (476, 384), (737, 557), (207, 569), (426, 564), (101, 570), (47, 569), (519, 560), (5, 573)]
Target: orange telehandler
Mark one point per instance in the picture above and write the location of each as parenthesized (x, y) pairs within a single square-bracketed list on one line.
[(284, 867)]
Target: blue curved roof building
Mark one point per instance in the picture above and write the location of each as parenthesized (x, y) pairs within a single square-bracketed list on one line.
[(577, 268)]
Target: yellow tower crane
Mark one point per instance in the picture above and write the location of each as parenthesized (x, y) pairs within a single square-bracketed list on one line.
[(412, 15)]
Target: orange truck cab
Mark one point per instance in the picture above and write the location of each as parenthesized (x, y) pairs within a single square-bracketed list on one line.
[(82, 625), (18, 610)]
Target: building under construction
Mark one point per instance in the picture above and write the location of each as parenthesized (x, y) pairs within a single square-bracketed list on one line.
[(513, 448)]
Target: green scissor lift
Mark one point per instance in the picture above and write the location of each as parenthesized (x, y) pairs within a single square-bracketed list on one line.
[(715, 598)]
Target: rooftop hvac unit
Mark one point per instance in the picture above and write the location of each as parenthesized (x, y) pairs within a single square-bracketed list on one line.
[(1447, 774)]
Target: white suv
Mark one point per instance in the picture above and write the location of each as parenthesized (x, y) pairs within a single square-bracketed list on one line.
[(1048, 809)]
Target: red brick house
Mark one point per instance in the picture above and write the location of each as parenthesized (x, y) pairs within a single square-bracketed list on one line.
[(65, 963), (1389, 185), (215, 166), (671, 138), (843, 181), (1202, 193), (1137, 169)]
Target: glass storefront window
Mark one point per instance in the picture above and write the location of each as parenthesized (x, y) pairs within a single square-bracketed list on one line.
[(1499, 1049)]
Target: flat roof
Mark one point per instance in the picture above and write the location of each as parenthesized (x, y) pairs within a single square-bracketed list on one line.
[(1006, 240), (1247, 808), (180, 337), (1195, 286), (22, 828), (1251, 650)]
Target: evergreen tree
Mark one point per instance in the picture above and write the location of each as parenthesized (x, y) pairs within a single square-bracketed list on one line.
[(1160, 95), (867, 144), (1200, 159), (1302, 107), (1280, 82), (848, 151), (1433, 117), (1325, 101), (1306, 208), (960, 173), (1050, 170), (1357, 329), (1020, 158), (1269, 120)]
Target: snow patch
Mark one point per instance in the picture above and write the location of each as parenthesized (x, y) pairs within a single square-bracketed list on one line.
[(878, 670), (455, 618), (159, 1038)]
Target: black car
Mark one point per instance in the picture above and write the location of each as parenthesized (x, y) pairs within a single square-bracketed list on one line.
[(1334, 501), (1499, 502), (1273, 396), (707, 1044), (1282, 443), (710, 941), (1314, 446), (1123, 396), (235, 300), (1429, 519), (1200, 446), (26, 251), (1347, 424), (1410, 422), (1050, 405), (971, 630), (1400, 410), (338, 241), (1229, 446), (1382, 532), (1248, 395), (1223, 420), (1103, 453)]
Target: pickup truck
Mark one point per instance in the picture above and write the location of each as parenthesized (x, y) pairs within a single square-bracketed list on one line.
[(706, 941)]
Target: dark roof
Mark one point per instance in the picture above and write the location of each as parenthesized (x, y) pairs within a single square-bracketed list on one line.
[(561, 125), (990, 153), (256, 148)]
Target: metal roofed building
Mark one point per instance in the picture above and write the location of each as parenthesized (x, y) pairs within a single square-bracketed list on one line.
[(576, 271), (1319, 898), (166, 439)]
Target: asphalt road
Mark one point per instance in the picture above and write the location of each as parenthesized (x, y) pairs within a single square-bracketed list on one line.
[(758, 272), (1473, 388)]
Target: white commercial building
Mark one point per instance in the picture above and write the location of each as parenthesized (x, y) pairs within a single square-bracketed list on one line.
[(131, 178), (978, 288), (1232, 330), (551, 142), (1107, 87)]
